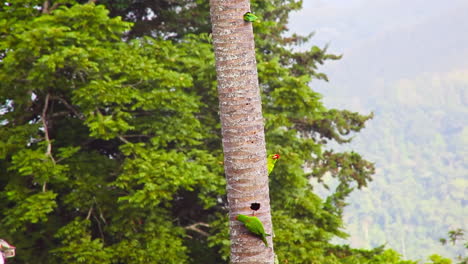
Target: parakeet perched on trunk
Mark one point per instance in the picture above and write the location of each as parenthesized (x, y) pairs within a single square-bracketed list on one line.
[(271, 160), (254, 225), (250, 17)]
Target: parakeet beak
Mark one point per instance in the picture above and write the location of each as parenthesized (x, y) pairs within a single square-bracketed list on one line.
[(276, 156)]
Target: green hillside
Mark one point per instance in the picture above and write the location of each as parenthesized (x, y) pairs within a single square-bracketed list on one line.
[(419, 142)]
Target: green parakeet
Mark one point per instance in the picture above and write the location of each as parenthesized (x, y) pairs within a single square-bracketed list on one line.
[(250, 17), (271, 161), (254, 225)]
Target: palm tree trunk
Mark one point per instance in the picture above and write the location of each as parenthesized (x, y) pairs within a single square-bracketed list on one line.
[(242, 127)]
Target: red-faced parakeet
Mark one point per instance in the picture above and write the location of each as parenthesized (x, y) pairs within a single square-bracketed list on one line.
[(255, 226), (271, 160), (250, 17)]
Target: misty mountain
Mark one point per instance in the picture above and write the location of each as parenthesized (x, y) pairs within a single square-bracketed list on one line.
[(413, 74), (433, 45)]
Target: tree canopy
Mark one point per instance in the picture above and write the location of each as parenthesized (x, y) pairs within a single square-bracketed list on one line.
[(111, 149)]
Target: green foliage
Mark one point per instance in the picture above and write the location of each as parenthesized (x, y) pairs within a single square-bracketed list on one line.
[(391, 257), (454, 236), (420, 159), (33, 209), (78, 245), (122, 140), (111, 148), (436, 259)]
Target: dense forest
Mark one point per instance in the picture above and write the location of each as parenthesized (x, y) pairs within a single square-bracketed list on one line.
[(110, 146), (418, 141)]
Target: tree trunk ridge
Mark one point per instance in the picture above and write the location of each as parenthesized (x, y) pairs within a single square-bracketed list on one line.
[(242, 128)]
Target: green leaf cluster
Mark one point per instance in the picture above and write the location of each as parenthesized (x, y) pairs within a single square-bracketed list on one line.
[(103, 139)]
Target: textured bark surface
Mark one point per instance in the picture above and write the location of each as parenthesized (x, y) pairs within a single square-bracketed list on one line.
[(242, 127)]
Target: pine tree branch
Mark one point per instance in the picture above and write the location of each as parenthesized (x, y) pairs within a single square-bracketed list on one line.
[(194, 227), (69, 106), (54, 6), (89, 212), (45, 7), (46, 129), (46, 133), (124, 140)]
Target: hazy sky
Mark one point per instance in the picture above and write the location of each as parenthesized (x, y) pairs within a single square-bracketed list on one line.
[(345, 23), (385, 41)]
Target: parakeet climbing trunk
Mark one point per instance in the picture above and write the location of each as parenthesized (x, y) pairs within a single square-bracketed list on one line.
[(242, 128)]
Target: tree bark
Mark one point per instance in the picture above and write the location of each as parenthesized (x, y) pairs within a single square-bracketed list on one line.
[(242, 128)]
